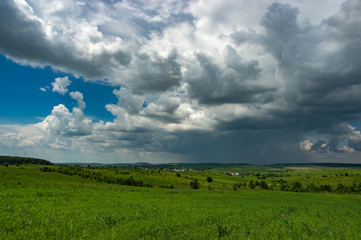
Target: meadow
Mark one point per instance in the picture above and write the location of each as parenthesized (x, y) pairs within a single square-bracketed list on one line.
[(90, 203)]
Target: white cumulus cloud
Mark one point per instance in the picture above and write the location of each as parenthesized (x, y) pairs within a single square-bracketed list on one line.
[(66, 123), (61, 85), (78, 96)]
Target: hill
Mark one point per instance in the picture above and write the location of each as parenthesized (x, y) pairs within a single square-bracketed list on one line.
[(71, 202), (10, 160)]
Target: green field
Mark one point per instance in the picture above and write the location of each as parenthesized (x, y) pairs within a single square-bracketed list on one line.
[(42, 204)]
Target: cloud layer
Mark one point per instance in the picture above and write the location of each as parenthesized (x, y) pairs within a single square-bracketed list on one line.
[(228, 81)]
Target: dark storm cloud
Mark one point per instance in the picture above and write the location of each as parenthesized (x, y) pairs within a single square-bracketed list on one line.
[(248, 146), (320, 65), (234, 83), (338, 134), (320, 146), (355, 144), (159, 75), (281, 25), (328, 88)]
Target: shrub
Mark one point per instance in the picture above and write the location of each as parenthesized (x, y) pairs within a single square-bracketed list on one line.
[(195, 184), (297, 186), (311, 188), (263, 185), (251, 184)]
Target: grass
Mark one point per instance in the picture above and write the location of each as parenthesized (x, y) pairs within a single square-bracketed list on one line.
[(46, 205)]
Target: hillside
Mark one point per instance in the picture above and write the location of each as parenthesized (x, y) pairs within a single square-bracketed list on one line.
[(67, 202), (10, 160)]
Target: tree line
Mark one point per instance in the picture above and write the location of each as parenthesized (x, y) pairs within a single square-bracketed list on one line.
[(10, 160), (97, 176), (299, 187)]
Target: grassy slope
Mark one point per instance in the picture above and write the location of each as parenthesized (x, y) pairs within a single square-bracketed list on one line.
[(37, 205)]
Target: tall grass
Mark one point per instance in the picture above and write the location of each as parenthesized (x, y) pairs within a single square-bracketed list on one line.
[(37, 205)]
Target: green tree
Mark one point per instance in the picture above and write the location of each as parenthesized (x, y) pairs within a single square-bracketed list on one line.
[(195, 184), (312, 188), (251, 184), (297, 186), (284, 186), (263, 185), (341, 188), (209, 179), (326, 188)]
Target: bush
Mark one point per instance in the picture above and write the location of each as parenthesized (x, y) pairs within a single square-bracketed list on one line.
[(326, 188), (85, 173), (311, 188), (195, 184), (297, 186), (251, 184), (263, 185), (209, 179)]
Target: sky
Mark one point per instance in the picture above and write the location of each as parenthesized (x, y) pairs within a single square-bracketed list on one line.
[(233, 81)]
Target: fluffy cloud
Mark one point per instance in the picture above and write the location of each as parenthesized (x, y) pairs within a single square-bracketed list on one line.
[(65, 123), (61, 130), (61, 85), (56, 34), (252, 85), (78, 96), (340, 138)]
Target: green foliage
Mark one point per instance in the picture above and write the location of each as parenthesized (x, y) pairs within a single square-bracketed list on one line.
[(97, 176), (209, 179), (195, 184), (263, 185), (251, 184), (311, 188), (325, 188), (278, 179), (9, 160)]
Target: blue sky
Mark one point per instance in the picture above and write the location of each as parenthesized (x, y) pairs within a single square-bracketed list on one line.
[(20, 92), (181, 81)]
